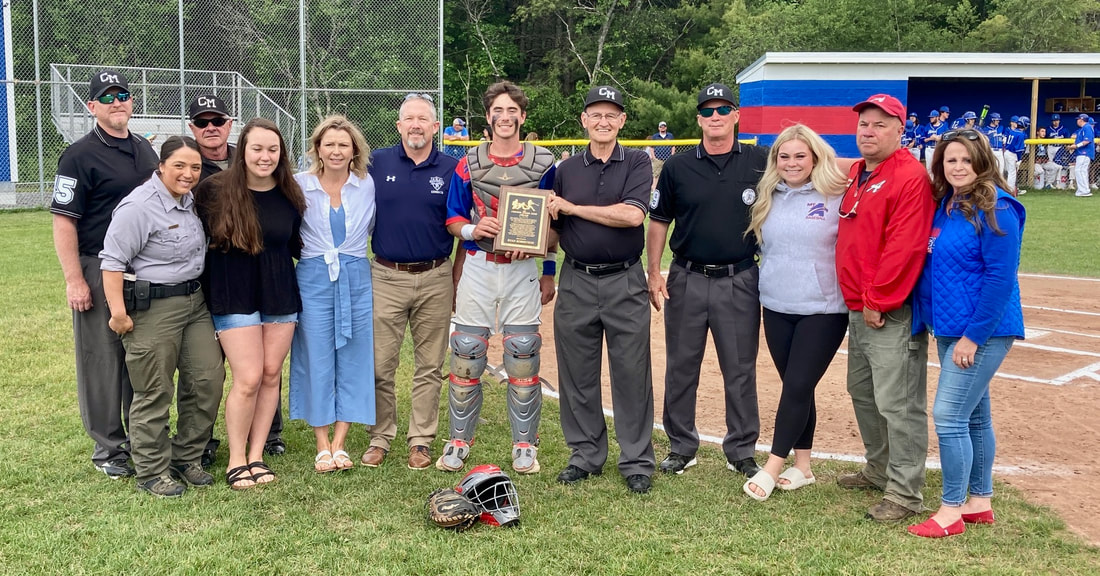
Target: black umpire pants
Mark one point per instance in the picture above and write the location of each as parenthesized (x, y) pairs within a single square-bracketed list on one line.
[(729, 308), (588, 309)]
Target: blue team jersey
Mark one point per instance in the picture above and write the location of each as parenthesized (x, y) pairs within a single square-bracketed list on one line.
[(1084, 139), (1059, 132), (996, 136)]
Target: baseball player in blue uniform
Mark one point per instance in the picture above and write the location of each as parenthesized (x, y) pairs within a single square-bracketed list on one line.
[(967, 120), (930, 134), (1057, 153), (1084, 149), (995, 132), (1014, 146), (909, 139)]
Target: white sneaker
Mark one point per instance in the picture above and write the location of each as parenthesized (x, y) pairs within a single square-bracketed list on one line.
[(1085, 195)]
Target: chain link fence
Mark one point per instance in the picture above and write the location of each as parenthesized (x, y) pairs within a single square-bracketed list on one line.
[(356, 57)]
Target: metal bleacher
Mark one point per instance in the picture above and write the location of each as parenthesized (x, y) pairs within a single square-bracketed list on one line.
[(157, 110)]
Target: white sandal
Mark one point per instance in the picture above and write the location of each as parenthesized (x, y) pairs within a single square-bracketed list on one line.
[(323, 463), (341, 455), (796, 478), (763, 481)]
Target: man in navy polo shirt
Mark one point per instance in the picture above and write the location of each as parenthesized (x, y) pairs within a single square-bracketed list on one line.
[(412, 279), (601, 199), (93, 175)]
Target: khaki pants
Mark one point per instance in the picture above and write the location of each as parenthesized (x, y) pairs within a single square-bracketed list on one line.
[(421, 302), (888, 382), (174, 333)]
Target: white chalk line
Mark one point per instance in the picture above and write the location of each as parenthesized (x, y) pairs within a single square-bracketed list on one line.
[(1056, 277), (1061, 310), (1042, 332), (930, 463), (1031, 379)]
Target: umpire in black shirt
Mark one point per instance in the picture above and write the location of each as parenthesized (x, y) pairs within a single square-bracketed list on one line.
[(713, 281), (599, 205), (93, 176)]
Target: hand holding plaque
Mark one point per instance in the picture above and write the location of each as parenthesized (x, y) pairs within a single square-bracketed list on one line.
[(524, 220)]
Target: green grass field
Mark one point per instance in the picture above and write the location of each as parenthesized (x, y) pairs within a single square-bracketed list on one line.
[(60, 516)]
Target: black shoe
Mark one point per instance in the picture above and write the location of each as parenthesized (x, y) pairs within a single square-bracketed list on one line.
[(116, 469), (162, 486), (747, 466), (677, 463), (275, 447), (192, 473), (638, 483), (573, 474), (208, 458)]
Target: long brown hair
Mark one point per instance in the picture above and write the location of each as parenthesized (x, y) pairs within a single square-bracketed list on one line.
[(981, 196), (230, 208)]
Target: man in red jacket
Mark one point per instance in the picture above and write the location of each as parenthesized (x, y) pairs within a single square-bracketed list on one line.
[(886, 215)]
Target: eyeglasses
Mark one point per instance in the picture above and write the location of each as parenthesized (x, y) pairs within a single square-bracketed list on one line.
[(598, 117), (110, 98), (204, 122), (412, 95), (721, 110), (971, 135)]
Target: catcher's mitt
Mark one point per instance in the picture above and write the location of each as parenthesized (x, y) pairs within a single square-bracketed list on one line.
[(451, 510)]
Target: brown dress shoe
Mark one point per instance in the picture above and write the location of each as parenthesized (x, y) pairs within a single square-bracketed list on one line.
[(856, 481), (887, 511), (419, 458), (374, 456)]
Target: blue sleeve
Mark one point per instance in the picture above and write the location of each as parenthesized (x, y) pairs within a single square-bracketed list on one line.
[(1001, 258), (547, 181)]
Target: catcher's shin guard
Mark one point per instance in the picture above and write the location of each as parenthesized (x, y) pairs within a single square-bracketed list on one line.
[(469, 349), (521, 361)]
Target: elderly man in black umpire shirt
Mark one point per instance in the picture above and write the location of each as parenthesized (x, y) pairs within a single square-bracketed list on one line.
[(599, 205), (712, 283), (93, 175), (211, 123)]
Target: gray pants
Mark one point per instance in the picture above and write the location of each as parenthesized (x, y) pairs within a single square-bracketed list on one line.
[(588, 308), (174, 333), (888, 382), (102, 383), (730, 309)]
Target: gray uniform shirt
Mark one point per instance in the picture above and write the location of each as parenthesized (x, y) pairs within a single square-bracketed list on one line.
[(160, 237), (798, 253)]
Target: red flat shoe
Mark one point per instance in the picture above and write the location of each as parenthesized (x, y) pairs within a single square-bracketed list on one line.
[(930, 529), (979, 517)]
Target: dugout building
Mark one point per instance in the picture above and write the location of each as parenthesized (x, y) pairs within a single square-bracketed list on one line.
[(818, 89)]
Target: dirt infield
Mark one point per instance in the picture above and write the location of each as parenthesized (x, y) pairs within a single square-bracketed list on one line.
[(1045, 399)]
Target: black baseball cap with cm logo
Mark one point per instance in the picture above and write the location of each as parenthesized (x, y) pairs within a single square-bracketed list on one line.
[(204, 103), (104, 80), (716, 91), (604, 94)]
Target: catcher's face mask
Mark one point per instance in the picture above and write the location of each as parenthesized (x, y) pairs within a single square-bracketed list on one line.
[(492, 491)]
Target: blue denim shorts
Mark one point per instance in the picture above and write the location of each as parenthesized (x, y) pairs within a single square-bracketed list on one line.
[(229, 321)]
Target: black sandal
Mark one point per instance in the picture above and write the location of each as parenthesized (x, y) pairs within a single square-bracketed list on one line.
[(238, 475), (265, 471)]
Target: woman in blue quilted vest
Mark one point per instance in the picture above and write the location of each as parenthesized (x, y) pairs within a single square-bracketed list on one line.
[(968, 296)]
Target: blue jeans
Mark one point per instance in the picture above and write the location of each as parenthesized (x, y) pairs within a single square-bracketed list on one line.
[(963, 420)]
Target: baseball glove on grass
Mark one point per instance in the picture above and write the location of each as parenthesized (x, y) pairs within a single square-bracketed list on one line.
[(451, 510)]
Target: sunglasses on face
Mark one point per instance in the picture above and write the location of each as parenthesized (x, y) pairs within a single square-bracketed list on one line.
[(721, 110), (971, 135), (110, 98), (412, 95), (204, 122)]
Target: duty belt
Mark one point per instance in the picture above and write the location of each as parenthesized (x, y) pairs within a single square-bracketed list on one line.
[(411, 267), (601, 269), (157, 291), (715, 270)]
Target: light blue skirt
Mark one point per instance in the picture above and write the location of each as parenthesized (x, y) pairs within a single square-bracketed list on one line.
[(332, 356)]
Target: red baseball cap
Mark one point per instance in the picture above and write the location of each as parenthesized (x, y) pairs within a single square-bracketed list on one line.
[(886, 102)]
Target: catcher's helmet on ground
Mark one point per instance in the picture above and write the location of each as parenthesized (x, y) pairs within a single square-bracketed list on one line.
[(492, 491)]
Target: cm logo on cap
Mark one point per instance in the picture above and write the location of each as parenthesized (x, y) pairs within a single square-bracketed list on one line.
[(712, 91), (205, 102), (108, 77), (605, 91)]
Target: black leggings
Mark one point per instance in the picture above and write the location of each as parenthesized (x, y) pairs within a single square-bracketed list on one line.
[(802, 348)]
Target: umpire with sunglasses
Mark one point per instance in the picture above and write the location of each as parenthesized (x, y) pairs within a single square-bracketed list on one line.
[(713, 280), (93, 175), (211, 124)]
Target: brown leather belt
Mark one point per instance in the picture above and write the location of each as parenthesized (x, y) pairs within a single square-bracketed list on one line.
[(411, 267)]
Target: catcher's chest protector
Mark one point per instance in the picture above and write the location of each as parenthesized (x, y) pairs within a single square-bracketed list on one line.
[(486, 178)]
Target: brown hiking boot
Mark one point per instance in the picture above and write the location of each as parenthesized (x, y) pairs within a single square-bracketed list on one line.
[(856, 481), (887, 511)]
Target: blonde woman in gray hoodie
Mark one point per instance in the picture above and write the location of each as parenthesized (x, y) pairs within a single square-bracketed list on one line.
[(795, 221)]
